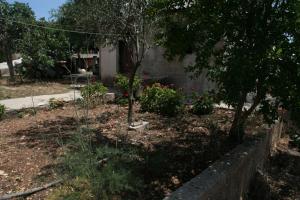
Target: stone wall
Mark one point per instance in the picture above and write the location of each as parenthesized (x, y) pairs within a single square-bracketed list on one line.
[(230, 177)]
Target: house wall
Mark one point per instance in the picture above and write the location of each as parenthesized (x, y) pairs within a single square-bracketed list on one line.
[(109, 64), (156, 66)]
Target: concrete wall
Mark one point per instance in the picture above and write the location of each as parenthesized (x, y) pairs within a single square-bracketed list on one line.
[(109, 66), (230, 177), (157, 67)]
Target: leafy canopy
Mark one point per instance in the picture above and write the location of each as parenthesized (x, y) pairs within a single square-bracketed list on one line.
[(244, 46), (11, 33), (41, 49)]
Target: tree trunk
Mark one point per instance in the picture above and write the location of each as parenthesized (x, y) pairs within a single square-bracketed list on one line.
[(10, 65), (237, 131), (237, 128), (131, 95)]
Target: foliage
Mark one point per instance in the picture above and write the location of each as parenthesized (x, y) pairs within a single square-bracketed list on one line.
[(26, 112), (161, 100), (41, 50), (122, 82), (115, 20), (93, 94), (56, 103), (203, 105), (295, 113), (97, 173), (2, 110), (122, 101), (244, 46), (11, 33)]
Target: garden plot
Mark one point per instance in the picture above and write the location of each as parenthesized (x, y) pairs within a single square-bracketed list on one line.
[(169, 153)]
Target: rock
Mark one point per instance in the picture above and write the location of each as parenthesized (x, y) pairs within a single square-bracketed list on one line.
[(109, 97), (2, 173), (139, 126)]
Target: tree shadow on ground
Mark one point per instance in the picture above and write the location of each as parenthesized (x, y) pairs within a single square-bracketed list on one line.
[(169, 164), (281, 179), (163, 167), (49, 134)]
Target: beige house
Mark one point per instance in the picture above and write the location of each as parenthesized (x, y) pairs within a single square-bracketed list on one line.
[(154, 67)]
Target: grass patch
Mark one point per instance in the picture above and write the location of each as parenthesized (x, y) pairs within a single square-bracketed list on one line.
[(100, 172)]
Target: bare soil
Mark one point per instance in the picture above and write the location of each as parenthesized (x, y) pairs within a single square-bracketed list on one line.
[(281, 179), (8, 91), (179, 147)]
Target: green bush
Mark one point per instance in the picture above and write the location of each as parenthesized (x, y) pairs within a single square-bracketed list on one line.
[(2, 111), (203, 105), (161, 100), (93, 94), (122, 82)]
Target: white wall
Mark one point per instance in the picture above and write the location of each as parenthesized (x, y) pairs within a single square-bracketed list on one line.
[(157, 66), (109, 63)]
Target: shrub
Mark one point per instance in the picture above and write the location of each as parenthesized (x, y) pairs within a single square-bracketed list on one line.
[(56, 103), (93, 93), (161, 100), (2, 111), (122, 82), (203, 105)]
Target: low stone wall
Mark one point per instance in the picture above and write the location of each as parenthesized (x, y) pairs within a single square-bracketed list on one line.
[(230, 177)]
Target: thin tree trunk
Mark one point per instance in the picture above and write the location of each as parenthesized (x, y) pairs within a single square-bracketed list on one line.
[(10, 65), (237, 128), (237, 131), (131, 95)]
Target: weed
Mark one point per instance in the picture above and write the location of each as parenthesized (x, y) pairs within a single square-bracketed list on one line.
[(55, 103), (2, 111), (93, 94), (100, 172)]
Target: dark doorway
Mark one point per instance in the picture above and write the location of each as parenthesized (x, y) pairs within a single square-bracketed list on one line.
[(125, 60)]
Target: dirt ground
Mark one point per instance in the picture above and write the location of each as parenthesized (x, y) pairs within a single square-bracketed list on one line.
[(281, 180), (31, 89), (182, 147)]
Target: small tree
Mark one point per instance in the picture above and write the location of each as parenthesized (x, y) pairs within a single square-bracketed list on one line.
[(245, 46), (117, 20), (41, 49), (12, 33)]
